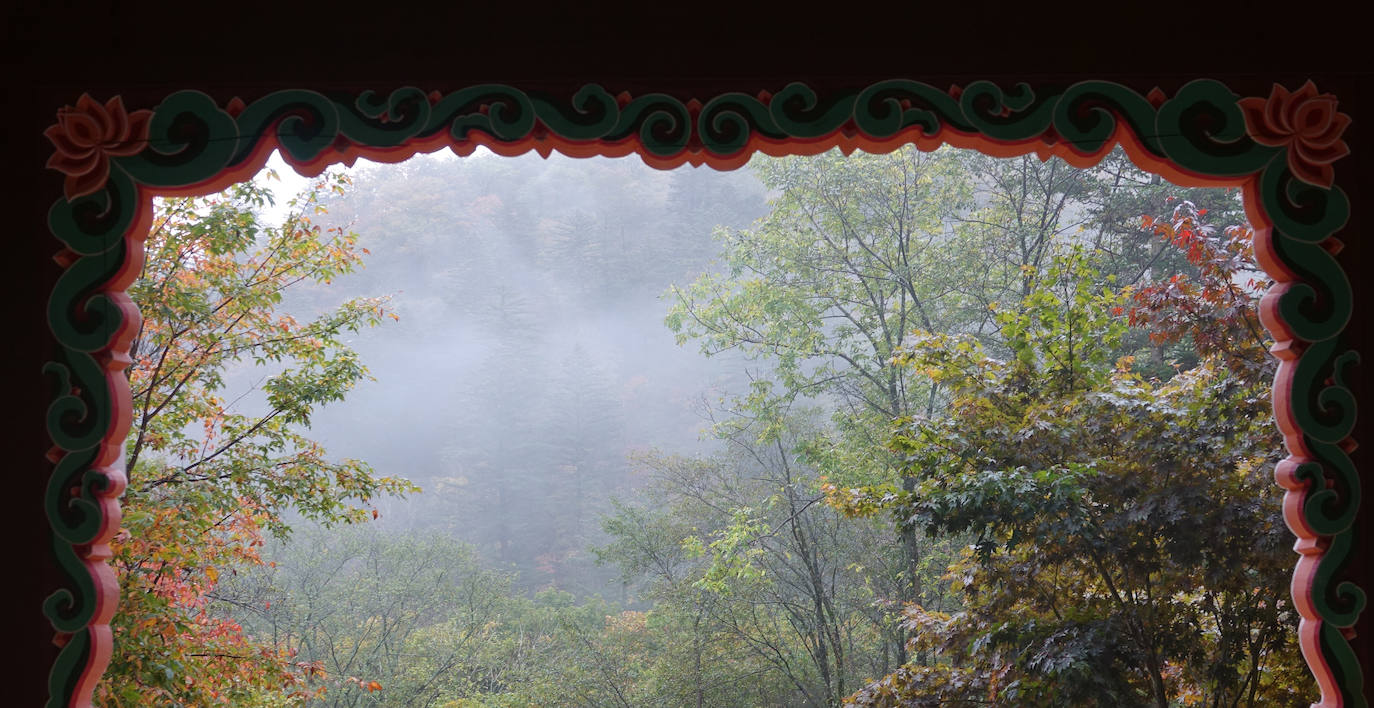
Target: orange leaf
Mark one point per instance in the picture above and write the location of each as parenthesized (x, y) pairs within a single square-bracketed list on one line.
[(374, 686)]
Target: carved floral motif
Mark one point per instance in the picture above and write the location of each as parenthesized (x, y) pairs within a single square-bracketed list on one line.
[(1307, 123), (88, 135)]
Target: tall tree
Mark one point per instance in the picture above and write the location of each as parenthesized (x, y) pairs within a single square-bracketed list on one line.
[(586, 465), (1089, 488), (207, 478), (856, 253), (495, 454), (743, 559)]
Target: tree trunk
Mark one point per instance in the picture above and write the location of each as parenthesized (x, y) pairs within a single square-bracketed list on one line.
[(911, 551)]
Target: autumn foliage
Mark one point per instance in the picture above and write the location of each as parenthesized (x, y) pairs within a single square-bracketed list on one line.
[(209, 477), (1214, 309)]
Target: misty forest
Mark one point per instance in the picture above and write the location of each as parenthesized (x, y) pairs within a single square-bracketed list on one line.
[(911, 429)]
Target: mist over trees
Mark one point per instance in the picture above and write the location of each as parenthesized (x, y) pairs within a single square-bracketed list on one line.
[(886, 430), (529, 355)]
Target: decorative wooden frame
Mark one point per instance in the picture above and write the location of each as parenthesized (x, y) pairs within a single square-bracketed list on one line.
[(1279, 149)]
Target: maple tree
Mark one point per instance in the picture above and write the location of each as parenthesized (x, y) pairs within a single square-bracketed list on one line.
[(1213, 311), (208, 478)]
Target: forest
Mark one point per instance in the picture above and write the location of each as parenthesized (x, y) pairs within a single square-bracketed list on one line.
[(909, 429)]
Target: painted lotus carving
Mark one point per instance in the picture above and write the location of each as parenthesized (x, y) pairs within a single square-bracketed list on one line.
[(87, 135), (1307, 123)]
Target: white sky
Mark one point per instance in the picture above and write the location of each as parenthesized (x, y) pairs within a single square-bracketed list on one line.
[(289, 185)]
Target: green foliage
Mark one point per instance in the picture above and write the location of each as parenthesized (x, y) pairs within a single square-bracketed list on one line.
[(733, 552), (754, 574), (827, 285), (1125, 553), (415, 614), (963, 297), (388, 618)]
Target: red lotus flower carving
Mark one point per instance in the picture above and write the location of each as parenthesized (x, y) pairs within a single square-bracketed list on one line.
[(87, 135), (1307, 122)]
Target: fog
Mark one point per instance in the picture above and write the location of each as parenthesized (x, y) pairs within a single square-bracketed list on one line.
[(528, 361)]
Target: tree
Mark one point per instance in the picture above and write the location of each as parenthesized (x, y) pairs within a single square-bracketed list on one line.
[(1090, 489), (755, 575), (584, 427), (828, 284), (495, 454), (859, 252), (856, 253), (207, 479)]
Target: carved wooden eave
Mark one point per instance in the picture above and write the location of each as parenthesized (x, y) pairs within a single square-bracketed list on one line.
[(1282, 149)]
